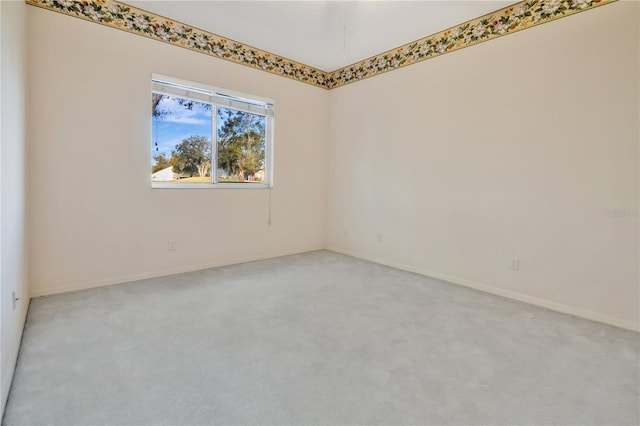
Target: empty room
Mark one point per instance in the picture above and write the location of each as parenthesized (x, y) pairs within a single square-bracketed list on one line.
[(320, 212)]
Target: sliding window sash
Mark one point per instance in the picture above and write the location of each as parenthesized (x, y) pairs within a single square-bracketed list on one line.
[(224, 99)]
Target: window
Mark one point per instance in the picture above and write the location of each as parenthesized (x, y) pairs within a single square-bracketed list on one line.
[(202, 136)]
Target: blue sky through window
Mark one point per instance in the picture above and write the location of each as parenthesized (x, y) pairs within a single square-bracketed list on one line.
[(176, 123)]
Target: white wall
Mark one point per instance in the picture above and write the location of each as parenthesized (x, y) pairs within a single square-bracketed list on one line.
[(511, 148), (13, 72), (451, 167), (90, 103)]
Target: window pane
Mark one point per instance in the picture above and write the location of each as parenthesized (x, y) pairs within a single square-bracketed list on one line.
[(241, 146), (181, 140)]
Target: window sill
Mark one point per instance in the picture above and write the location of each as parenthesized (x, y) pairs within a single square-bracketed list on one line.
[(247, 185)]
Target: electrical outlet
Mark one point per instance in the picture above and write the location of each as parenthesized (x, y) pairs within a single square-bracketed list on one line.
[(515, 264), (171, 245)]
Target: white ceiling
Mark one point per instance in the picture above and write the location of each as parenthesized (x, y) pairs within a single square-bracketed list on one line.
[(323, 34)]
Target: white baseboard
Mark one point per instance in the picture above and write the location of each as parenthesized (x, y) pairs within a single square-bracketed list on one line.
[(558, 307), (565, 309), (37, 292)]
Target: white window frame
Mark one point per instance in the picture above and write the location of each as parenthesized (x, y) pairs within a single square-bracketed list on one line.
[(217, 97)]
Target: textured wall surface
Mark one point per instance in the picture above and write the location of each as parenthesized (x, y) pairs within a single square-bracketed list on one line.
[(91, 89), (525, 147), (13, 76)]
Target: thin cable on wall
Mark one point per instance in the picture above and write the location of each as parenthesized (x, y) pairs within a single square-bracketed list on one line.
[(269, 214), (344, 32)]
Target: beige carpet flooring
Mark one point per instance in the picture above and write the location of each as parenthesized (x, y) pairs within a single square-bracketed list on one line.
[(315, 338)]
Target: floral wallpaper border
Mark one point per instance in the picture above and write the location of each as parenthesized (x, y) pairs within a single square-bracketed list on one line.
[(516, 17), (119, 15)]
